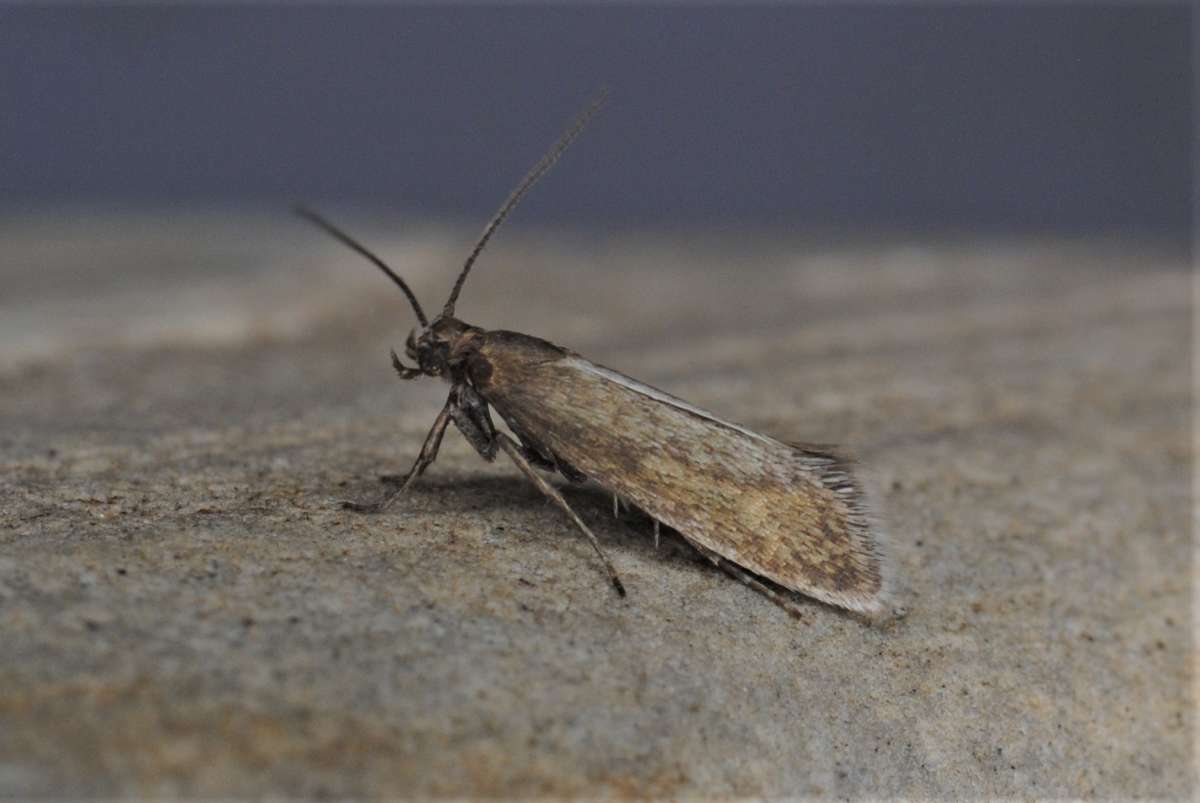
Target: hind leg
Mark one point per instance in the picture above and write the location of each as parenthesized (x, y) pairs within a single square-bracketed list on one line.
[(748, 579)]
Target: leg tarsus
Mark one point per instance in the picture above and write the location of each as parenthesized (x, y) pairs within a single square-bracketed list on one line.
[(749, 580), (429, 451), (369, 507)]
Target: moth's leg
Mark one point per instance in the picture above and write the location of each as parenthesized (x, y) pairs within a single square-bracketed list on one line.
[(429, 451), (534, 452), (748, 579), (537, 456), (620, 503), (514, 451), (471, 416), (537, 459), (542, 457), (475, 421), (469, 412), (656, 535)]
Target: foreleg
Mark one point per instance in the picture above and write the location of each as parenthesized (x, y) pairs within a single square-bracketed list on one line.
[(429, 451), (469, 412), (473, 419)]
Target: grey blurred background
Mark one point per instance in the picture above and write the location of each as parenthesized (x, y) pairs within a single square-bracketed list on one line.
[(1016, 119)]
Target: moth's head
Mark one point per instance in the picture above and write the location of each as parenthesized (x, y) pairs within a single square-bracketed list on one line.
[(439, 346)]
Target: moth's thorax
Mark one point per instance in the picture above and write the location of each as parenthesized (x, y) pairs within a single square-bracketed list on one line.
[(500, 358)]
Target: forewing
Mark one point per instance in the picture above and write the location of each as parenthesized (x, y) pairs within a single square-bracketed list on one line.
[(791, 514)]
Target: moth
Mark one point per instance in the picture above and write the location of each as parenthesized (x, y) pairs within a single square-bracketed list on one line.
[(786, 519)]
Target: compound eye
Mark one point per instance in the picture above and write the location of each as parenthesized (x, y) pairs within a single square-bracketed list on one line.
[(410, 345), (427, 360)]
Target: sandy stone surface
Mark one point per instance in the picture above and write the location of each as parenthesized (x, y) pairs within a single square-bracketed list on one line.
[(185, 611)]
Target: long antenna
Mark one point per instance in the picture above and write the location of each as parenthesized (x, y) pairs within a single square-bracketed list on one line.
[(350, 242), (547, 161)]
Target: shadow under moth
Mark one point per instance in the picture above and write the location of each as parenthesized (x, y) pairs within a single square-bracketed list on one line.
[(783, 518)]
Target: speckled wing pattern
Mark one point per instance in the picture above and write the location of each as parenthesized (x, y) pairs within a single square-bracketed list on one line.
[(789, 513)]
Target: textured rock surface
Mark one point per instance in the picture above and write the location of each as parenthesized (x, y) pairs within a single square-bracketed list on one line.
[(184, 610)]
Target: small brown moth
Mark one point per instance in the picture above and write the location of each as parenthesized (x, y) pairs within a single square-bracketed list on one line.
[(780, 517)]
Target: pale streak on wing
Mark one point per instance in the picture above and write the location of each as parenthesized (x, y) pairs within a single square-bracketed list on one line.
[(791, 515), (588, 367)]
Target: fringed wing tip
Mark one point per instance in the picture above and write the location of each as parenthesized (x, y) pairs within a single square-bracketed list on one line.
[(835, 466), (878, 606)]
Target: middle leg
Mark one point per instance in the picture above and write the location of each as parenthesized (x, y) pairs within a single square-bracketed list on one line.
[(514, 451)]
